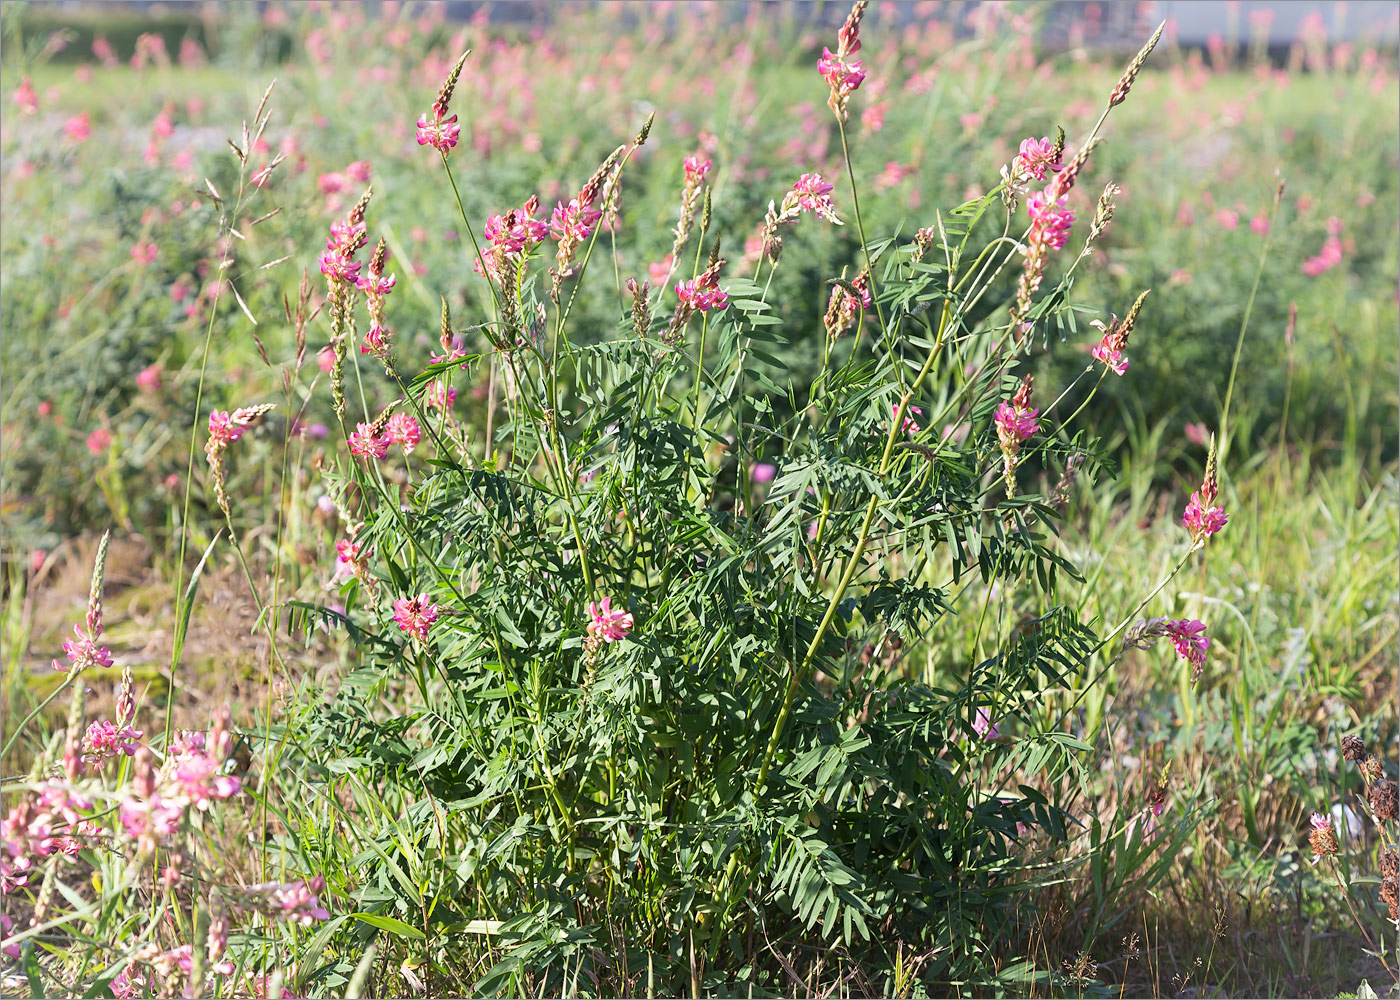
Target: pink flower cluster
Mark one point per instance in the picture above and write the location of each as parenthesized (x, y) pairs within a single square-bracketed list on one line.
[(1035, 158), (191, 776), (83, 652), (843, 73), (350, 559), (1189, 637), (843, 307), (376, 285), (415, 614), (703, 294), (1203, 517), (43, 823), (439, 132), (1327, 258), (1187, 634), (400, 429), (573, 221), (814, 195), (1015, 421), (696, 170), (1109, 350), (606, 623), (512, 237), (106, 739), (1050, 220)]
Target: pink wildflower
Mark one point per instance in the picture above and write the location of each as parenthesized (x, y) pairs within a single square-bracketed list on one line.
[(25, 99), (606, 623), (126, 986), (79, 127), (148, 379), (99, 441), (415, 615), (702, 296), (83, 652), (763, 472), (1197, 433), (1203, 519), (984, 727), (696, 169), (440, 133), (1050, 221), (402, 429), (814, 195), (1036, 157), (366, 443), (106, 739), (1189, 637), (842, 73), (909, 425)]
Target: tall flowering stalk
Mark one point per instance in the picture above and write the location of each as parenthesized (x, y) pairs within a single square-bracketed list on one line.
[(701, 295), (1015, 423), (224, 429), (696, 170), (1050, 221), (1114, 342), (842, 73), (342, 272), (377, 285), (437, 128), (1202, 516), (846, 302), (573, 223)]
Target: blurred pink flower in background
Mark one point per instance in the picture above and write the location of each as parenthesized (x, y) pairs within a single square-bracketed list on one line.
[(1198, 434), (99, 441), (148, 378), (25, 99), (79, 127)]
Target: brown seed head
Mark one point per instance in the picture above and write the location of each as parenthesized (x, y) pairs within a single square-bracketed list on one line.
[(1390, 863), (1353, 748), (1385, 800), (1371, 768), (1390, 896), (1323, 841)]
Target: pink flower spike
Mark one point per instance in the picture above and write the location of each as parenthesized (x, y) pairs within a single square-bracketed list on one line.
[(1203, 519), (1189, 637), (415, 614), (608, 624), (1015, 425)]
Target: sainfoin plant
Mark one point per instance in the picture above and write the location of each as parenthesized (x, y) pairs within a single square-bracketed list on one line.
[(636, 700)]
